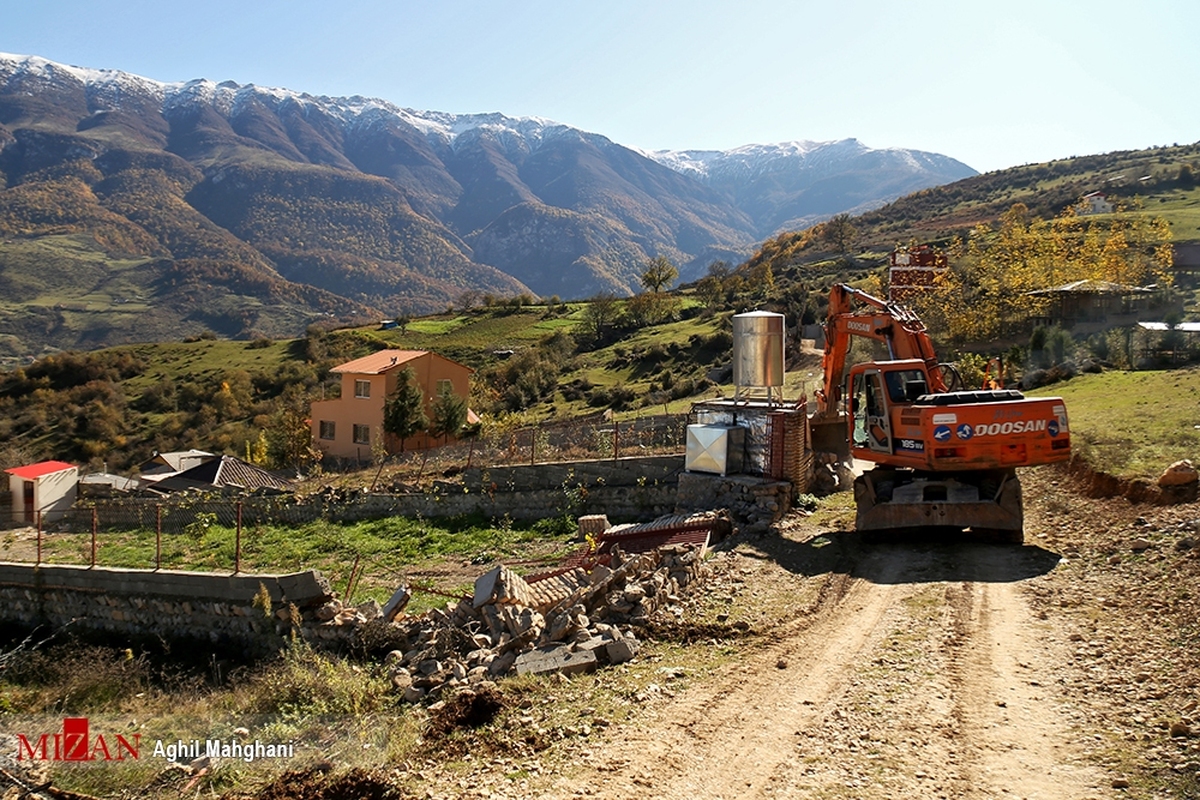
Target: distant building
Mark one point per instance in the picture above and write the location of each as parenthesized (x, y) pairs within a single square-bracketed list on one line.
[(913, 270), (164, 465), (347, 426), (221, 472), (1095, 203), (45, 490), (1086, 301), (106, 484)]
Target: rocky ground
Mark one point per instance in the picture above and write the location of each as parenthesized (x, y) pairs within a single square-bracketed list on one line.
[(810, 665)]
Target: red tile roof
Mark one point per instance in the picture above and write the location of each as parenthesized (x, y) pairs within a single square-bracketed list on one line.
[(31, 471)]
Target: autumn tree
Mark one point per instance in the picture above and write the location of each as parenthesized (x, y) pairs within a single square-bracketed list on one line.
[(659, 274), (838, 233), (289, 436), (404, 409), (995, 281), (598, 316)]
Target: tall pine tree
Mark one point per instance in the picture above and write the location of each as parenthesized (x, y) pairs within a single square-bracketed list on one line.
[(404, 409)]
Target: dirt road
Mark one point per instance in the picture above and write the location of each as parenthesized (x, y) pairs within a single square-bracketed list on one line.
[(921, 672)]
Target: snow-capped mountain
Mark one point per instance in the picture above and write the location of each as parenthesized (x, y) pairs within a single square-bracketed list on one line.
[(394, 207), (755, 174)]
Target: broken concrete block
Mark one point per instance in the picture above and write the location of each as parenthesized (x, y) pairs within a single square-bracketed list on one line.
[(559, 658), (502, 664), (595, 524), (329, 610), (621, 650), (598, 646), (396, 604), (599, 575)]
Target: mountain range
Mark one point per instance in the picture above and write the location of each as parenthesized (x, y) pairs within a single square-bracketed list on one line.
[(130, 207)]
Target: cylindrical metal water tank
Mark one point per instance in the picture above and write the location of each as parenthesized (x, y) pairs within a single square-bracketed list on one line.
[(758, 349)]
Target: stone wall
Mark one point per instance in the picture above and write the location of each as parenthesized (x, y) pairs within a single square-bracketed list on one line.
[(213, 608), (625, 489), (645, 471), (754, 503)]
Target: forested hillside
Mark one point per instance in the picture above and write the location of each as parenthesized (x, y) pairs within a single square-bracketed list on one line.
[(130, 191), (1159, 183)]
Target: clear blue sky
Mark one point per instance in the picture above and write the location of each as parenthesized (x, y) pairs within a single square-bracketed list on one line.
[(992, 84)]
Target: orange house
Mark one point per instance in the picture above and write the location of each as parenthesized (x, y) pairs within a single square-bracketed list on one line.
[(347, 427)]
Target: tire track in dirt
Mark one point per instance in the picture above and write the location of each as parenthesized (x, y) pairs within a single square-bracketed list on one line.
[(733, 736), (1015, 738), (906, 681)]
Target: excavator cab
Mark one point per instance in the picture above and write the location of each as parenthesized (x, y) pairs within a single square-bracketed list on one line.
[(877, 394), (871, 427)]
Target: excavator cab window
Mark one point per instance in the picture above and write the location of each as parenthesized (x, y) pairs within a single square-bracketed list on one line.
[(905, 385), (868, 409), (859, 403)]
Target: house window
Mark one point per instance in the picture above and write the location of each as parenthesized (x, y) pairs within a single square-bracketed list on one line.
[(362, 388), (327, 429), (444, 386), (362, 434)]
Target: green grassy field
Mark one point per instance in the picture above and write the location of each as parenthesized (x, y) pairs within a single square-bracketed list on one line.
[(1133, 424), (443, 555)]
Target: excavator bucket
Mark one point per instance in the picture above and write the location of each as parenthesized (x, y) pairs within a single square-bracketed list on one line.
[(986, 503)]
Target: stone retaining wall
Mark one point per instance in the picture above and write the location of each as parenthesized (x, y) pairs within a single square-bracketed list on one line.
[(626, 489), (642, 471), (753, 502), (219, 609)]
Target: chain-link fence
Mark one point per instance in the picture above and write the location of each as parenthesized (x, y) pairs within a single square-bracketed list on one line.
[(588, 438), (118, 521)]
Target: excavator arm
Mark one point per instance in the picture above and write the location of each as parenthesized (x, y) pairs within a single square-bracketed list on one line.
[(856, 313)]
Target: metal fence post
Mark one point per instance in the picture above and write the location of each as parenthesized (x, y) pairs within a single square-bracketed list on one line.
[(38, 517), (350, 580), (95, 526), (533, 432), (237, 546), (616, 440)]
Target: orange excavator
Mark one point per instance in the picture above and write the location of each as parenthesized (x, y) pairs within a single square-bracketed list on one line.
[(944, 457)]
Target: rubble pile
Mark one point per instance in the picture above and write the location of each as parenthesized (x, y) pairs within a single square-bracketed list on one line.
[(570, 621)]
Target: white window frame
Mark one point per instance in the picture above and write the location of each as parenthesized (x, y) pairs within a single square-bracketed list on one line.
[(362, 389), (363, 431)]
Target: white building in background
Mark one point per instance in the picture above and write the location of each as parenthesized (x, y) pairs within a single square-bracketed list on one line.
[(1095, 203), (46, 489)]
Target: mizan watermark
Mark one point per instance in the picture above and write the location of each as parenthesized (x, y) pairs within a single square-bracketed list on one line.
[(75, 743)]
